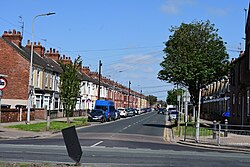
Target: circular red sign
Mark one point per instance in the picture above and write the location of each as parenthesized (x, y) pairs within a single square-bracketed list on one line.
[(3, 83)]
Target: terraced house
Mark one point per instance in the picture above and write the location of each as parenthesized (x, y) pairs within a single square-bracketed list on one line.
[(15, 63)]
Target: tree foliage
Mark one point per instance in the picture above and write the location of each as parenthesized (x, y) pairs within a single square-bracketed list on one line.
[(70, 85), (151, 99), (195, 55), (172, 96)]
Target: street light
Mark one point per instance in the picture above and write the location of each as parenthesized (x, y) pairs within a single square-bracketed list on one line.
[(30, 91), (197, 132)]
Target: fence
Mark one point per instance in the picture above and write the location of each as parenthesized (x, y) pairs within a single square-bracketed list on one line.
[(217, 134)]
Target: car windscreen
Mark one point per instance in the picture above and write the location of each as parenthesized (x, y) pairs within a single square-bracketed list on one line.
[(174, 113), (104, 108), (97, 112)]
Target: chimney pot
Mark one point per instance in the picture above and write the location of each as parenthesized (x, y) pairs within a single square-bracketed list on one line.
[(39, 43), (34, 43), (50, 50), (14, 31), (54, 50)]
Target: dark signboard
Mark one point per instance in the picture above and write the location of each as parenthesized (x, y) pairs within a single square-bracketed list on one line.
[(72, 143)]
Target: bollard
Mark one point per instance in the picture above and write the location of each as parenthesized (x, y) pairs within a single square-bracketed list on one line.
[(226, 128), (214, 130), (218, 141), (48, 120)]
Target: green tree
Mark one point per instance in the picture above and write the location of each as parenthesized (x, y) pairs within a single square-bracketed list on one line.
[(70, 86), (172, 96), (195, 55), (151, 99)]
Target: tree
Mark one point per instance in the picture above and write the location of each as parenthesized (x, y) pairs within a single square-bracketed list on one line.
[(172, 96), (195, 55), (70, 86), (151, 99)]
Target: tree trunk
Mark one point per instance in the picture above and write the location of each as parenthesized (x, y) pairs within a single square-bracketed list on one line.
[(68, 120)]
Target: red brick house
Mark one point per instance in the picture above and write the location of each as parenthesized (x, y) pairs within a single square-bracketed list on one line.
[(240, 83)]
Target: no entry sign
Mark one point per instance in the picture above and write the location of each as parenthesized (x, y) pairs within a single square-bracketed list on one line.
[(3, 83)]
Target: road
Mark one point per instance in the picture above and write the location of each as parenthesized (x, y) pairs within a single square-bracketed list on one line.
[(136, 141)]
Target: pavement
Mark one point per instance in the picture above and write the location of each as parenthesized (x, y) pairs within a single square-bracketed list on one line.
[(11, 133), (233, 142)]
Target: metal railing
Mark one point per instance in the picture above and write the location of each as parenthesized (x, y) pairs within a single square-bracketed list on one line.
[(218, 134)]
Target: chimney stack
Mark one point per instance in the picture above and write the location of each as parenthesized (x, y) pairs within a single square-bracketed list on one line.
[(14, 37), (65, 60), (85, 70), (38, 48), (53, 54)]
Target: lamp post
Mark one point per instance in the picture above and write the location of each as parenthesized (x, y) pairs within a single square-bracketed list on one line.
[(197, 133), (128, 92), (30, 89), (99, 79)]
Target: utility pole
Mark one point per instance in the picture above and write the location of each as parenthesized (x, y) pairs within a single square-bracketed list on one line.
[(140, 98), (128, 92), (99, 79)]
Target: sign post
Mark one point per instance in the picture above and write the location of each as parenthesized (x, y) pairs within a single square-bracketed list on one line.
[(72, 144), (3, 84)]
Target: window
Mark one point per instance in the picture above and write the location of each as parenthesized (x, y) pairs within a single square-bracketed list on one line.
[(46, 79), (56, 103), (32, 80), (38, 78), (239, 105), (38, 101), (51, 81)]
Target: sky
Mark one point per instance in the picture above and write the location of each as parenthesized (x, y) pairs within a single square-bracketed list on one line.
[(126, 35)]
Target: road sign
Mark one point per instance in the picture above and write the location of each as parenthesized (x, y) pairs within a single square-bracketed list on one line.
[(3, 83), (88, 100), (72, 143)]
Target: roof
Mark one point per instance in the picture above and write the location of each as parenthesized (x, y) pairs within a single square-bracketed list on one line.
[(46, 62)]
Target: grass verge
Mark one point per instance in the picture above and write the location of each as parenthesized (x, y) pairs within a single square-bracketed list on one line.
[(54, 125)]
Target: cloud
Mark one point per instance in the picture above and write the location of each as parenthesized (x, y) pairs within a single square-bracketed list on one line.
[(175, 6), (139, 59)]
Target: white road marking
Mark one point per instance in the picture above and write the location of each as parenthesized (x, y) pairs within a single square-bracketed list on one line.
[(96, 144)]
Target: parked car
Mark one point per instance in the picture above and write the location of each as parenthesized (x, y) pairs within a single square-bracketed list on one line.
[(97, 115), (161, 111), (173, 115), (123, 112), (131, 112), (139, 111), (117, 114), (171, 109)]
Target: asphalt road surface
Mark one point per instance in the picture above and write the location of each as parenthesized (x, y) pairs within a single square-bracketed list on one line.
[(136, 141)]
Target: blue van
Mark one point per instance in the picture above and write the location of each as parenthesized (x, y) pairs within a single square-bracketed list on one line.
[(108, 106)]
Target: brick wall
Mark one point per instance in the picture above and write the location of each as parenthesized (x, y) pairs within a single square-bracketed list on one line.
[(40, 114), (12, 115), (17, 69)]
